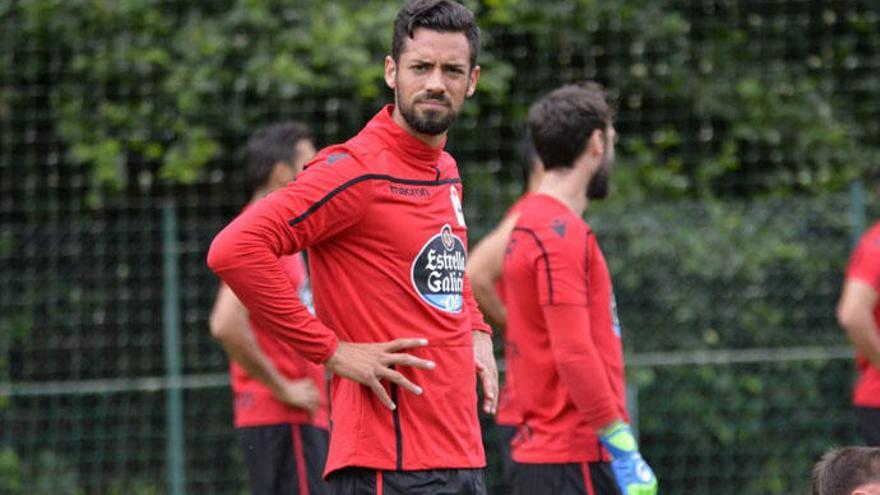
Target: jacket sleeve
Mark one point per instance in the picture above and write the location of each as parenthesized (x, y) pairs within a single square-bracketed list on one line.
[(565, 306), (579, 365), (323, 202), (478, 322)]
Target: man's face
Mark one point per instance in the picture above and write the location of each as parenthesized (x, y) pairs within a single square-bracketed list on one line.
[(432, 79), (600, 185), (302, 152), (868, 489)]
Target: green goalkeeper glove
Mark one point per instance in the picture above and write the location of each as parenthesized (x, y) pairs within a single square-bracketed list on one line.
[(631, 472)]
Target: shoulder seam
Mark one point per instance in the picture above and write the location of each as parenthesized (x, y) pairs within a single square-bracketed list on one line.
[(544, 255)]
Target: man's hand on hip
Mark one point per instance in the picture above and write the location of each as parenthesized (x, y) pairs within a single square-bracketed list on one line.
[(302, 393), (484, 358), (368, 364)]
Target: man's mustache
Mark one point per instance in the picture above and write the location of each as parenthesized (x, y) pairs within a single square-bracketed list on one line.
[(438, 98)]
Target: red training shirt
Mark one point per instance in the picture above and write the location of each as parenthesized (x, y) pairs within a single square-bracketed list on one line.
[(564, 336), (381, 215), (509, 412), (254, 403), (864, 265)]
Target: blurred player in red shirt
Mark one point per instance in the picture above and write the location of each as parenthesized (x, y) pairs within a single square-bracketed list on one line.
[(484, 268), (562, 324), (858, 313), (280, 405), (382, 218)]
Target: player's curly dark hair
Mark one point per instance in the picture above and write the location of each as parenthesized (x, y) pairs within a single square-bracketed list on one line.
[(445, 16)]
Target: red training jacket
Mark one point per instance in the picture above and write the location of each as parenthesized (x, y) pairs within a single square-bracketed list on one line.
[(563, 333), (864, 265), (509, 412), (381, 215)]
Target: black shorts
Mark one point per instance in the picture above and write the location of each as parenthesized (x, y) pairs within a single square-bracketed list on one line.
[(285, 458), (505, 434), (364, 481), (869, 425), (586, 478)]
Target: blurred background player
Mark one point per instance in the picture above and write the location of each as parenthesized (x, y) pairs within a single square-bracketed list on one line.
[(858, 313), (279, 396), (382, 217), (848, 471), (566, 352), (485, 263)]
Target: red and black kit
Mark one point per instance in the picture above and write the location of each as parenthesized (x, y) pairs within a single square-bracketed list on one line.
[(381, 215), (564, 337)]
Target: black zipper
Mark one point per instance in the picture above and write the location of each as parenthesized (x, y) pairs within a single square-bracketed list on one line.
[(397, 436)]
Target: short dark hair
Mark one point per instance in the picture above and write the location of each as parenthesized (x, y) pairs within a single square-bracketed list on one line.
[(446, 16), (530, 158), (840, 471), (562, 121), (270, 145)]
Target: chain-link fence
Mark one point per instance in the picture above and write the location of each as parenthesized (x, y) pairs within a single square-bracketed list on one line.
[(739, 375), (121, 126)]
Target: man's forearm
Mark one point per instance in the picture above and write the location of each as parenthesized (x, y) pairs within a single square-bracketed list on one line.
[(242, 347), (866, 340), (490, 304)]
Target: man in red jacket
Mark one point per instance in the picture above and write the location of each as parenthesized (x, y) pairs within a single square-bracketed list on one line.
[(562, 324), (382, 217), (858, 313), (280, 408)]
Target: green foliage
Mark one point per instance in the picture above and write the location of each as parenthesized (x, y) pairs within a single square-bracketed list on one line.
[(725, 275), (53, 474), (144, 82), (11, 481), (734, 276), (134, 487)]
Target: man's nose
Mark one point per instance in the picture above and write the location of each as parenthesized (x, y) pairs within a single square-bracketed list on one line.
[(434, 83)]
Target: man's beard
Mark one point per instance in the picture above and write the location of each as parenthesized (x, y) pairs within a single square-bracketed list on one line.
[(600, 184), (431, 122)]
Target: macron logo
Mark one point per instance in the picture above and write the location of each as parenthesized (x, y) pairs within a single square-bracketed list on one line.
[(335, 157)]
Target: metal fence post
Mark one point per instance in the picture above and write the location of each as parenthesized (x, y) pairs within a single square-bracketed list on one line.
[(857, 209), (171, 343), (632, 407)]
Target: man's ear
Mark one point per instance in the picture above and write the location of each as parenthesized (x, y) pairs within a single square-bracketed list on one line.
[(472, 81), (596, 145), (390, 72), (282, 173)]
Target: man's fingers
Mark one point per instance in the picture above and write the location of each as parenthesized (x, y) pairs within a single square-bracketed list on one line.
[(401, 359), (490, 391), (380, 392), (400, 344), (396, 377)]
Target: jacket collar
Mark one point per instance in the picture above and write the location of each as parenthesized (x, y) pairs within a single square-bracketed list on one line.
[(402, 143)]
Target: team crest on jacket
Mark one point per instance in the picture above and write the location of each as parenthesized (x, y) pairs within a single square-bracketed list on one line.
[(438, 271)]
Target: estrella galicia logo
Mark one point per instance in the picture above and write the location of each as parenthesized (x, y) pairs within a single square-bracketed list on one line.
[(438, 271)]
